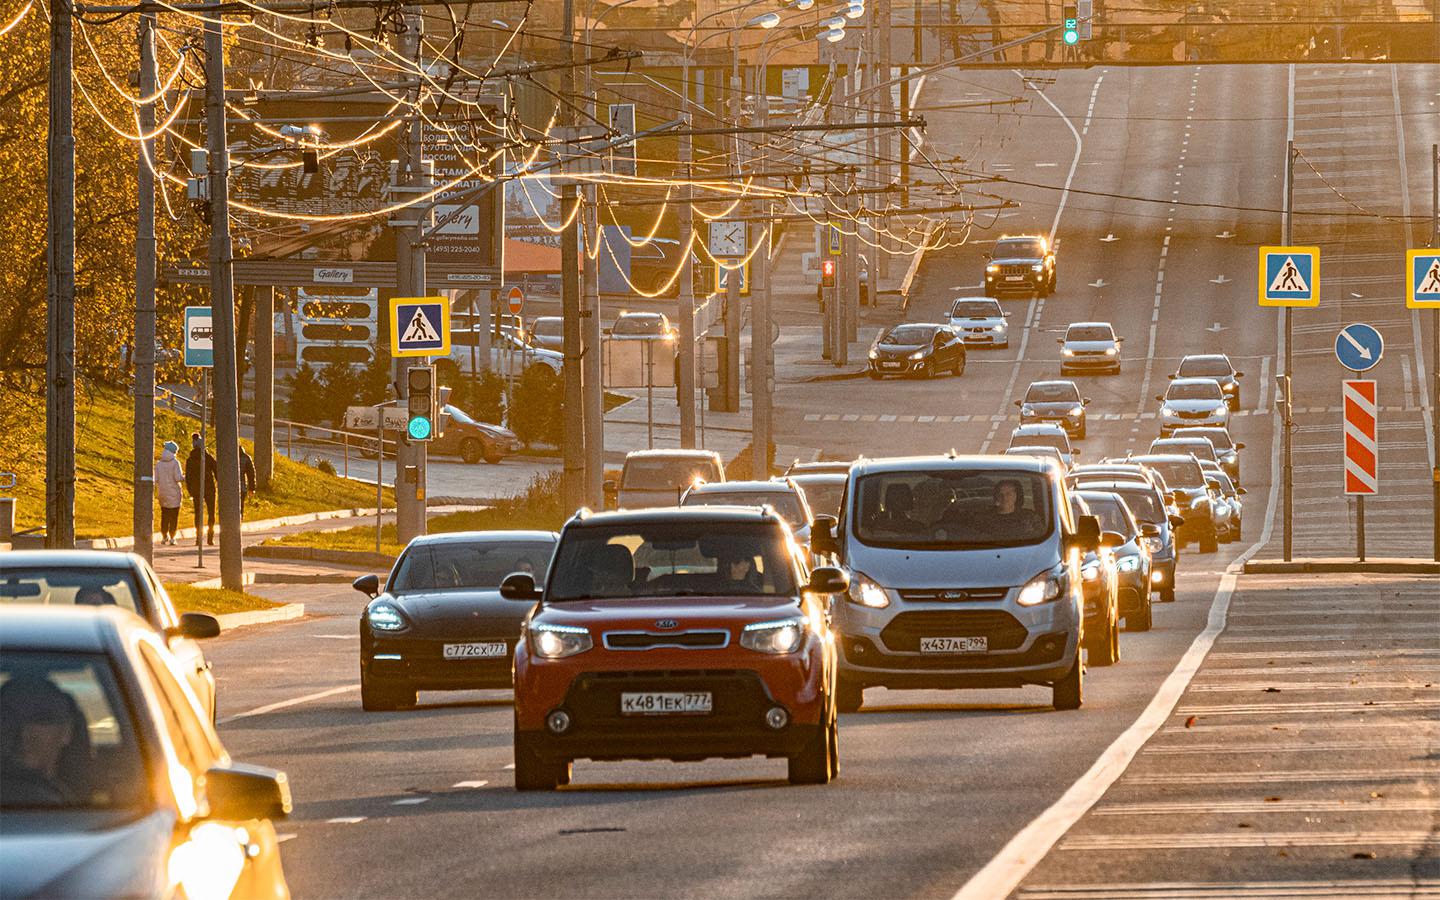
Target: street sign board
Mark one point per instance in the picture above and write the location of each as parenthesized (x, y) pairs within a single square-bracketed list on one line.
[(1359, 347), (362, 418), (622, 122), (834, 240), (199, 338), (1422, 268), (1362, 453), (419, 326), (1290, 276), (515, 300)]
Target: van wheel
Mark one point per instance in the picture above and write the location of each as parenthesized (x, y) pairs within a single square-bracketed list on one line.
[(812, 764), (1142, 619), (874, 374), (849, 697), (1104, 649), (1167, 595), (1068, 692)]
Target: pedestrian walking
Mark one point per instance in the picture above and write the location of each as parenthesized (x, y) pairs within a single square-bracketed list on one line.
[(247, 479), (170, 486), (203, 504)]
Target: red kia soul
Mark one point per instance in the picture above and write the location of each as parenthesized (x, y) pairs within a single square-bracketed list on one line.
[(680, 634)]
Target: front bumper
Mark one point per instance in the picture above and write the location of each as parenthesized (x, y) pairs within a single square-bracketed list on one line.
[(1027, 645), (1071, 424), (1028, 282), (1168, 425), (1087, 361), (985, 338), (420, 663), (898, 366)]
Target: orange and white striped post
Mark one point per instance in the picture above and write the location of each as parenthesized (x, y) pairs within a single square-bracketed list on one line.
[(1362, 449)]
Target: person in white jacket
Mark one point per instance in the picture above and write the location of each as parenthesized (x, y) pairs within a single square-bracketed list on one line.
[(170, 485)]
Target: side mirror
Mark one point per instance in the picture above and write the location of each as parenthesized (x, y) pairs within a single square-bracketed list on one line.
[(1176, 521), (822, 535), (1239, 374), (1087, 533), (1172, 376), (1239, 445), (1240, 490), (198, 626), (368, 585), (1075, 451), (238, 793), (1059, 340), (519, 586), (1212, 483), (1179, 496), (1020, 403), (1112, 539), (1149, 529), (1160, 397), (1119, 340), (1005, 314), (828, 580), (1085, 402)]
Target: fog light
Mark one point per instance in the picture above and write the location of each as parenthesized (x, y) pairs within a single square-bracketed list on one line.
[(777, 718), (558, 722), (1156, 577), (1049, 645), (858, 648)]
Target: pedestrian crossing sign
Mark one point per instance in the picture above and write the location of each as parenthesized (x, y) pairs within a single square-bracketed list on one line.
[(1290, 276), (419, 326), (1423, 269)]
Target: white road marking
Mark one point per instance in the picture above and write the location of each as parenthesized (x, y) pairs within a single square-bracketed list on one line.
[(284, 836), (1221, 807), (338, 637), (410, 801), (1277, 748), (1216, 840), (294, 701), (1380, 889), (345, 820), (469, 785), (1262, 395), (1027, 848)]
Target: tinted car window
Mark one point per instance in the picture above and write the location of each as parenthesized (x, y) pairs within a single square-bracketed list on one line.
[(1054, 439), (1052, 393), (674, 558), (952, 509), (822, 494), (1204, 366), (1090, 333), (1022, 247), (482, 565), (638, 325), (908, 334), (656, 473), (67, 740), (1219, 438), (785, 503), (975, 309), (549, 327), (1198, 446), (1178, 473), (1195, 390), (1143, 503), (81, 586), (1113, 515)]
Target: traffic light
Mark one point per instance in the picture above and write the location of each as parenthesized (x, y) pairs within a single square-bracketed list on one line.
[(1070, 16), (420, 403), (827, 273)]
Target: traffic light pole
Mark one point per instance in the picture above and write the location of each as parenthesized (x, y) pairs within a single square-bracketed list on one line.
[(410, 457), (1288, 514)]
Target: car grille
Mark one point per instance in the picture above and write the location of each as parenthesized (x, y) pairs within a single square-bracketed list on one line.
[(1184, 414), (860, 652), (739, 697), (645, 640), (952, 595), (1001, 629), (1015, 270)]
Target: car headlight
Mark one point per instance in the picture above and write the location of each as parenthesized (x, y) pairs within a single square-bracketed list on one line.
[(1155, 544), (1041, 589), (780, 636), (1230, 387), (1111, 351), (918, 354), (1027, 411), (1168, 413), (1038, 267), (874, 354), (1220, 410), (1089, 571), (1066, 351), (559, 641), (865, 592), (1077, 411), (992, 268), (385, 617), (1128, 563)]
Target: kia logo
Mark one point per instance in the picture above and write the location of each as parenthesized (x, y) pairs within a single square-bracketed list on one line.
[(667, 623)]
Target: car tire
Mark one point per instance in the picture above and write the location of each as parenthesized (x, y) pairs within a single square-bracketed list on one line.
[(471, 451), (849, 697), (383, 698), (1238, 531), (959, 368), (1104, 648), (535, 774), (1209, 543), (812, 764), (1141, 619), (1080, 432), (1167, 595), (874, 375), (989, 291), (928, 371), (1069, 691)]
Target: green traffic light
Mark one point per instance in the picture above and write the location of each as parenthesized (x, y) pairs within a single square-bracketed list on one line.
[(420, 428), (1072, 36)]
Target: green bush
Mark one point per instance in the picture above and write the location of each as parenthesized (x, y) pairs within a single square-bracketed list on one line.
[(482, 398), (325, 466), (537, 410), (306, 396)]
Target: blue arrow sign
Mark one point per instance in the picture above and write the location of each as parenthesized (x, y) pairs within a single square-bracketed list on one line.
[(1359, 347), (1424, 274)]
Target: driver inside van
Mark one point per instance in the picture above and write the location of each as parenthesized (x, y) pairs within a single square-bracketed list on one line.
[(1008, 518)]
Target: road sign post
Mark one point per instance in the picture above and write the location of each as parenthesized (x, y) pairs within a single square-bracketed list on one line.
[(1362, 448), (200, 354)]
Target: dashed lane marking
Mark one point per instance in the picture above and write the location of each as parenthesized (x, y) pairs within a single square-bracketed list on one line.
[(1371, 746), (345, 820), (294, 701), (1221, 839)]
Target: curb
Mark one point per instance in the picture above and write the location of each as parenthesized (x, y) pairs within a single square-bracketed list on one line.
[(1342, 566), (126, 543), (356, 558), (284, 613)]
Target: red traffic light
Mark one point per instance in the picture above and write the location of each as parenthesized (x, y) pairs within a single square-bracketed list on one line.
[(827, 273)]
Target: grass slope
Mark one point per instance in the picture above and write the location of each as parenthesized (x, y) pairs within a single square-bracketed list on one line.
[(104, 461), (215, 601)]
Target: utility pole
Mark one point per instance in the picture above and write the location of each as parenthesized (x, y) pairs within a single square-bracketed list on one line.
[(143, 525), (1285, 423), (265, 387), (685, 388), (410, 456), (762, 380), (1435, 359), (60, 287), (222, 308), (573, 451), (593, 380), (884, 54), (730, 365)]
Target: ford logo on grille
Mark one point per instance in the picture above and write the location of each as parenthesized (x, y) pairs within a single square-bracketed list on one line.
[(954, 595), (667, 623)]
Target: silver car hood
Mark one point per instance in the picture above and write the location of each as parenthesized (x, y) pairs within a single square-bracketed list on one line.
[(1090, 346), (1193, 405), (990, 567)]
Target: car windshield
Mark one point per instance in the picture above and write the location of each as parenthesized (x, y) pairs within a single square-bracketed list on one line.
[(1204, 366), (1201, 448), (638, 325), (1144, 503), (822, 493), (80, 586), (468, 565), (1219, 438), (786, 503), (548, 327), (1195, 390), (1026, 248), (1056, 439), (1112, 514), (975, 309), (1178, 473), (1052, 392), (655, 473), (953, 509), (67, 740), (908, 334), (692, 558), (1090, 333)]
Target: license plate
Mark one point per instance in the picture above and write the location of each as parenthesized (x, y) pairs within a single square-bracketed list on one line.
[(666, 703), (889, 365), (954, 644), (1014, 277), (488, 650)]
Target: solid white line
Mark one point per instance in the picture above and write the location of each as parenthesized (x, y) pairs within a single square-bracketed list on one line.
[(1027, 848), (1262, 398), (294, 701)]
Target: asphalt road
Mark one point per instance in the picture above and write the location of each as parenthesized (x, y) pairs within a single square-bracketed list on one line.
[(933, 784)]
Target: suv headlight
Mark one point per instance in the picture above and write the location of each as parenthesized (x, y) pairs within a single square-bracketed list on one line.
[(865, 592), (384, 617), (1111, 351), (992, 268), (1038, 267), (1168, 413), (1128, 563), (918, 354), (1156, 544), (1077, 410), (1220, 410), (559, 641), (1089, 571), (874, 354), (1066, 351), (779, 636), (1042, 589)]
